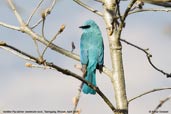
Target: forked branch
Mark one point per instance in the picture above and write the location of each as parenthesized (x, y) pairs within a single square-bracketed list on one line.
[(148, 55)]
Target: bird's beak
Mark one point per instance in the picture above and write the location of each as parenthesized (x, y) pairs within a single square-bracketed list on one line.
[(85, 27)]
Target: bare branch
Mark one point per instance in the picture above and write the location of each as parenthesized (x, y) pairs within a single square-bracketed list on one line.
[(101, 1), (9, 26), (59, 32), (128, 9), (37, 48), (43, 26), (37, 23), (48, 11), (64, 71), (146, 10), (17, 52), (10, 2), (44, 15), (160, 104), (88, 7), (77, 98), (118, 10), (34, 11), (124, 17), (151, 9), (148, 55), (53, 5), (148, 92)]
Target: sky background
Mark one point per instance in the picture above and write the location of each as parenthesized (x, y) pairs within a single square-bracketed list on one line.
[(25, 88)]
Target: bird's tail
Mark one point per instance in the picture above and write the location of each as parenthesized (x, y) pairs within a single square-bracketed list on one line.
[(90, 77)]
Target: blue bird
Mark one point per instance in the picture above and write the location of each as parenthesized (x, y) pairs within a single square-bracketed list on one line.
[(91, 53)]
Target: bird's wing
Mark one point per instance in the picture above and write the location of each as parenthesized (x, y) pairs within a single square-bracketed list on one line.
[(84, 56), (100, 49), (84, 49), (101, 55)]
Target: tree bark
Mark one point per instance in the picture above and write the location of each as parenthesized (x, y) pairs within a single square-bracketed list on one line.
[(118, 79)]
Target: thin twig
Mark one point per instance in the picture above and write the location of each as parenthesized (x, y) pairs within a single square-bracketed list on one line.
[(43, 26), (37, 23), (118, 10), (53, 5), (99, 1), (146, 10), (55, 36), (34, 11), (148, 55), (20, 20), (11, 4), (44, 15), (160, 104), (78, 98), (17, 52), (122, 24), (150, 9), (49, 11), (88, 7), (37, 47), (148, 92), (64, 71), (128, 9), (9, 26)]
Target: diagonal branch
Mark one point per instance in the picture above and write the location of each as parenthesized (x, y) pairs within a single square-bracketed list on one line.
[(124, 17), (37, 23), (77, 98), (150, 9), (161, 103), (9, 26), (64, 71), (69, 73), (59, 32), (118, 10), (11, 4), (17, 52), (34, 11), (128, 9), (47, 13), (148, 92), (101, 1), (145, 10), (148, 55), (88, 7)]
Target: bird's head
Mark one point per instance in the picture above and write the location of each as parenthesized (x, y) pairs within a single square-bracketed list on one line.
[(90, 25)]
